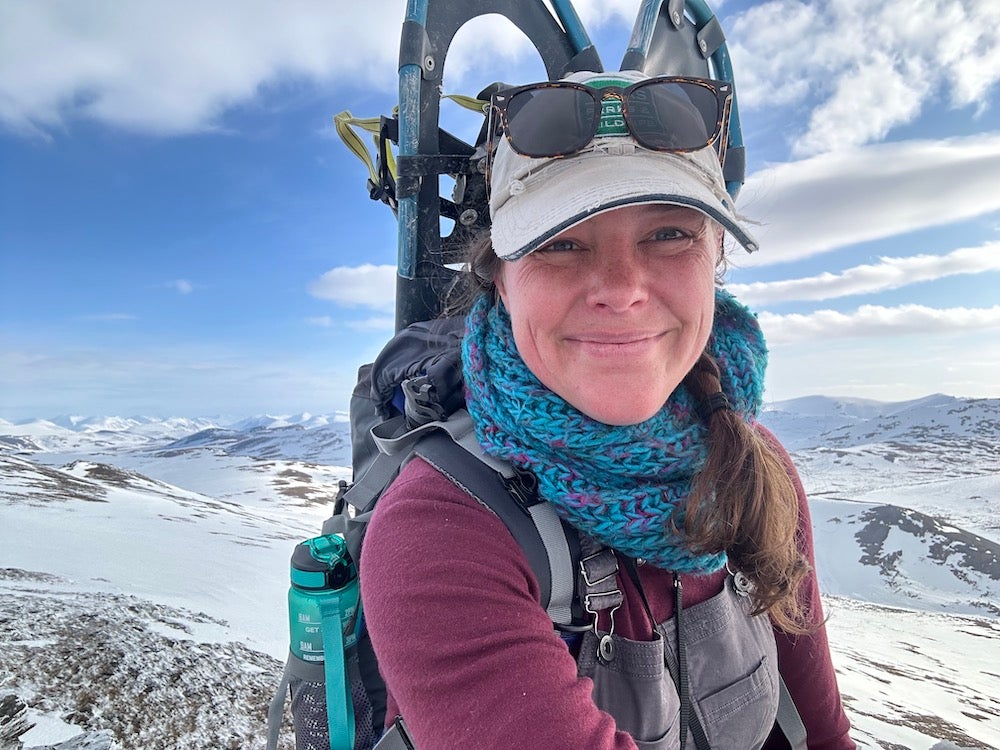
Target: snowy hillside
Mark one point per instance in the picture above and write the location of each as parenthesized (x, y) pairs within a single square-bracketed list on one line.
[(939, 455), (143, 567)]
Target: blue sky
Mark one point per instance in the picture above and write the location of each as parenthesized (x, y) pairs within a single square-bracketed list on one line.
[(182, 233)]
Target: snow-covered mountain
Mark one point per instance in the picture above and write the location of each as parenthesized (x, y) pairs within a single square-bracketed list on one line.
[(143, 566), (939, 455)]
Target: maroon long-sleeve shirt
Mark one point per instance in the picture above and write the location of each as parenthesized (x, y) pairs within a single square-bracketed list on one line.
[(470, 658)]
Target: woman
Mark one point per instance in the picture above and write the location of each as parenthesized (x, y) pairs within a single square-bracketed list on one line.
[(602, 358)]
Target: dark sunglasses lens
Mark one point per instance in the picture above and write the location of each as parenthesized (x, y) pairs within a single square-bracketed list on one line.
[(551, 120), (675, 115)]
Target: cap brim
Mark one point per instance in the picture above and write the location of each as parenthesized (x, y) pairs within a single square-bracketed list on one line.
[(565, 192)]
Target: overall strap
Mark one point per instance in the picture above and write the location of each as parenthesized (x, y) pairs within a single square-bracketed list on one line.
[(599, 591), (678, 669), (789, 719)]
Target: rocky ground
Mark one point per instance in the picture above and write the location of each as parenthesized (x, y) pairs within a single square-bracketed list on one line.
[(127, 672)]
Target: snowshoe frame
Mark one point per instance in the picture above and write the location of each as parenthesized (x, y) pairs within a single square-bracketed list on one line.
[(669, 37)]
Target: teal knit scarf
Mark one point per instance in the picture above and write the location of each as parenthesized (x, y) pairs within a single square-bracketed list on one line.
[(623, 486)]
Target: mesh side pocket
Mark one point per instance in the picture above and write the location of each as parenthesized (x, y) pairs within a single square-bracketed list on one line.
[(309, 714), (309, 706), (365, 735)]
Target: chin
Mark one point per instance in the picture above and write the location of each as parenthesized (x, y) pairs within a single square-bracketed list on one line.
[(622, 417)]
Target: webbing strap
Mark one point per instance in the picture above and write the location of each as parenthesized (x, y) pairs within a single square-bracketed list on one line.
[(345, 124), (294, 668), (394, 443), (339, 706), (276, 709), (550, 528), (347, 127), (535, 526), (459, 428), (788, 718)]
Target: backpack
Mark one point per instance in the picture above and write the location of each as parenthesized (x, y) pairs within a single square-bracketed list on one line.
[(409, 403)]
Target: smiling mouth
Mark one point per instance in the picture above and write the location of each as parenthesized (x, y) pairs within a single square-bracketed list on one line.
[(615, 344)]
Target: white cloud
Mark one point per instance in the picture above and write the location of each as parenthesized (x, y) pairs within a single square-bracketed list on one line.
[(866, 193), (182, 286), (174, 67), (870, 66), (380, 324), (358, 286), (875, 320), (888, 273), (867, 103)]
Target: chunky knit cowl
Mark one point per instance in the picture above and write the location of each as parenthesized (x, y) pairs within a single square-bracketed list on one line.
[(625, 486)]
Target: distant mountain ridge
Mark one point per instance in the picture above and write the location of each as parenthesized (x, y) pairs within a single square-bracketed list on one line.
[(317, 438), (807, 422), (821, 421)]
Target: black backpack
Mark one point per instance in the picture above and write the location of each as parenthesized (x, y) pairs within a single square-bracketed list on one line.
[(409, 402)]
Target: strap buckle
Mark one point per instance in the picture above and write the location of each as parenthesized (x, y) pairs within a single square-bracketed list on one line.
[(599, 572)]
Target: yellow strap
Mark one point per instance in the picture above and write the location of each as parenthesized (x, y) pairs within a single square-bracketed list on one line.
[(347, 126), (469, 102), (345, 123)]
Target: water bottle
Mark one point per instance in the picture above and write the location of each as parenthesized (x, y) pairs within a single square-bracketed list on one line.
[(322, 571), (323, 615)]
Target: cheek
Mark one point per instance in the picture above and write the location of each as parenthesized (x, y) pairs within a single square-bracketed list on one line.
[(527, 293), (523, 288)]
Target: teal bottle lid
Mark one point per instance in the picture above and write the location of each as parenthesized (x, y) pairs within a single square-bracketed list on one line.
[(322, 562)]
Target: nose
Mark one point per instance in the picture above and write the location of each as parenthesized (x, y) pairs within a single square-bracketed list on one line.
[(619, 279)]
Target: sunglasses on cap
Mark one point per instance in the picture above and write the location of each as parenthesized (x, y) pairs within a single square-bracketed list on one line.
[(559, 118)]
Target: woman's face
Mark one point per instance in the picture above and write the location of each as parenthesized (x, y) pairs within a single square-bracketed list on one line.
[(613, 313)]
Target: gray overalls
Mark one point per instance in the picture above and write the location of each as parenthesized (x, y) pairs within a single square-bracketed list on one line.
[(720, 677)]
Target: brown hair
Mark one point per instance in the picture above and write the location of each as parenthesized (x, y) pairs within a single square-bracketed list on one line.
[(743, 500)]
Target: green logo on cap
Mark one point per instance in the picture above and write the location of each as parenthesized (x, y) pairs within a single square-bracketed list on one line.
[(612, 120)]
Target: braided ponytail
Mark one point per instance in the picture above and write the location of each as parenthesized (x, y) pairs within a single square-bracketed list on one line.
[(743, 501)]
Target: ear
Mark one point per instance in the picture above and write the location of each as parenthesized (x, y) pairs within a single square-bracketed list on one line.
[(499, 284), (720, 236)]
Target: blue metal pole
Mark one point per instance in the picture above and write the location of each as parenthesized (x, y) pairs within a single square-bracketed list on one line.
[(409, 142), (642, 31), (702, 14), (570, 21)]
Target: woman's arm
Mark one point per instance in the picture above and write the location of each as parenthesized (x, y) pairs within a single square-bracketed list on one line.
[(468, 654)]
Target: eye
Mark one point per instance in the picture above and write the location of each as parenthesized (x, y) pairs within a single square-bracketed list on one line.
[(666, 234), (559, 246)]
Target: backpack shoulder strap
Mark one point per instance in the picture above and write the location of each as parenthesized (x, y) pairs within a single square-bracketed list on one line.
[(550, 546), (451, 447)]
